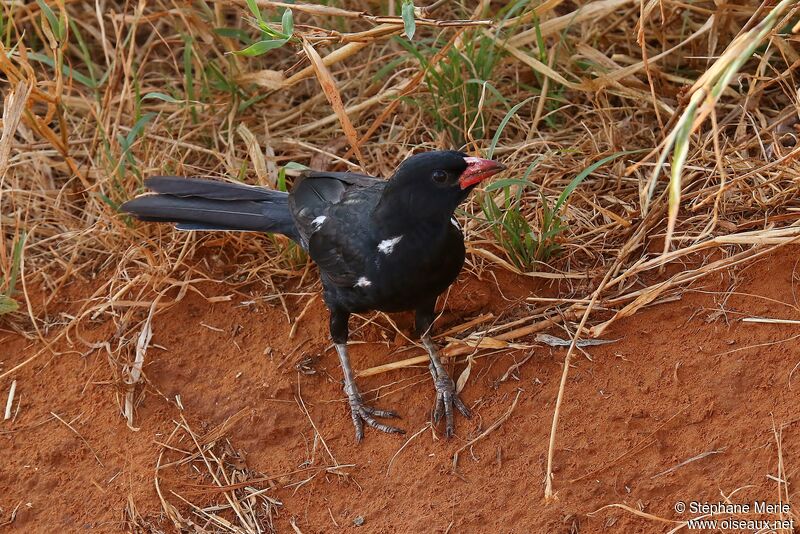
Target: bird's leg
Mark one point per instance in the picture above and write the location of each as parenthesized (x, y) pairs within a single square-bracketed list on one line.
[(446, 396), (360, 412)]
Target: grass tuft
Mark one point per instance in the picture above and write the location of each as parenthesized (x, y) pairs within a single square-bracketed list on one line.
[(7, 302)]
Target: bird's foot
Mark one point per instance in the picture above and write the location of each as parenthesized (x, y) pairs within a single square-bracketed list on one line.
[(446, 398), (363, 413)]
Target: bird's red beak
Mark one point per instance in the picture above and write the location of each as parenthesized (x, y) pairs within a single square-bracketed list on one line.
[(478, 169)]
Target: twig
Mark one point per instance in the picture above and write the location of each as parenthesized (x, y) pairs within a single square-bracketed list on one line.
[(513, 368), (420, 431), (548, 487), (134, 373), (79, 436), (690, 460), (300, 317), (488, 431), (10, 401), (302, 404), (768, 320), (640, 446)]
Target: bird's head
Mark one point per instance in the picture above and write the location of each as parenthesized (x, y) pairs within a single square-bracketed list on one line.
[(433, 184)]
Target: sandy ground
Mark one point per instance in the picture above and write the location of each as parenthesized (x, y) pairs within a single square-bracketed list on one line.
[(689, 404)]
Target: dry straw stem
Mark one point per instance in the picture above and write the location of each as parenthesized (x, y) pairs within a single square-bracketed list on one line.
[(332, 93), (236, 486), (764, 242), (478, 340), (321, 10), (387, 27), (687, 462), (705, 94), (134, 374), (13, 107), (592, 11), (491, 428), (83, 440), (781, 478), (548, 486), (769, 320), (639, 513), (409, 440), (10, 401)]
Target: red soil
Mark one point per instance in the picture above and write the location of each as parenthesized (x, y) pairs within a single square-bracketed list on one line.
[(683, 379)]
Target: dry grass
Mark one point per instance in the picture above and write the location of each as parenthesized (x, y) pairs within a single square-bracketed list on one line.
[(241, 508), (99, 95)]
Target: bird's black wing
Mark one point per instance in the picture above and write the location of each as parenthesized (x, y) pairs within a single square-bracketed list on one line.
[(331, 212), (315, 191)]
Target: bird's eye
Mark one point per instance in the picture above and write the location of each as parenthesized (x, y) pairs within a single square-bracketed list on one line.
[(439, 177)]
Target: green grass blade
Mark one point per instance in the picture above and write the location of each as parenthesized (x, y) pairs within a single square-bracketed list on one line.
[(287, 22), (586, 172), (8, 305), (56, 24), (261, 47), (155, 95), (137, 129), (16, 263), (65, 69), (254, 10), (409, 23), (503, 123), (85, 54), (492, 89), (188, 74), (234, 33)]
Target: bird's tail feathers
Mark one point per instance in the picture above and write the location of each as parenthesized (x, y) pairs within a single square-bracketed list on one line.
[(200, 204)]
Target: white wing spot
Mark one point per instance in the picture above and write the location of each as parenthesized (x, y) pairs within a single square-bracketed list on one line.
[(317, 223), (363, 282), (454, 222), (387, 245)]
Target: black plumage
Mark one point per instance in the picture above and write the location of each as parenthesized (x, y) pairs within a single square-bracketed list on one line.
[(200, 204), (380, 245)]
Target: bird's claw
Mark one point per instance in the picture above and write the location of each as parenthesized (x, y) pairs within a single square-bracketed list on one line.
[(366, 414), (446, 398)]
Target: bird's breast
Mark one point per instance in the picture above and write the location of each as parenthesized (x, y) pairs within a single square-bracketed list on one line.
[(413, 266)]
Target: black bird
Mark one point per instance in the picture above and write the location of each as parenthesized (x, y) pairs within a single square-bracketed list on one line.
[(389, 245)]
